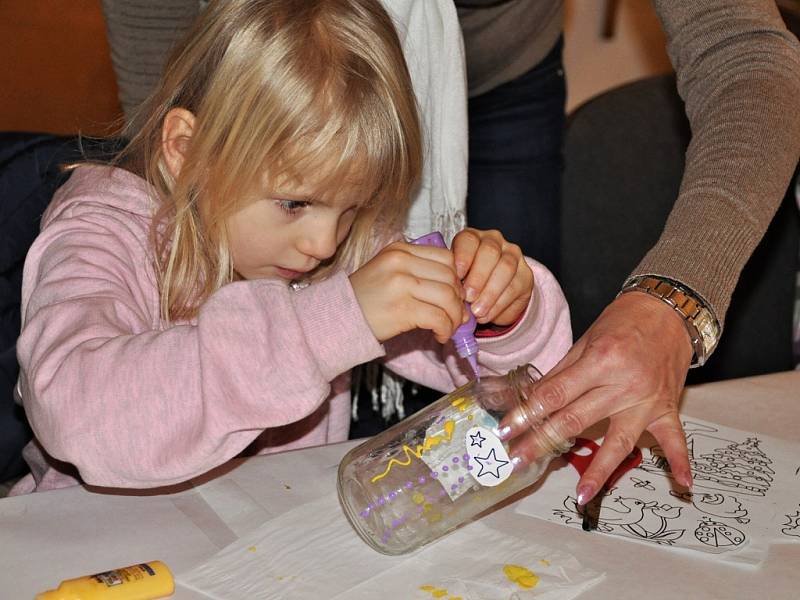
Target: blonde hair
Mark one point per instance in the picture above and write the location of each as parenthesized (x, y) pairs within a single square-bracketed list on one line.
[(282, 88)]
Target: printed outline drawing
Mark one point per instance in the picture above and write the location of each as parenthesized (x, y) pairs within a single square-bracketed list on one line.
[(716, 505), (731, 470), (792, 525), (640, 483), (728, 466), (648, 521), (719, 531)]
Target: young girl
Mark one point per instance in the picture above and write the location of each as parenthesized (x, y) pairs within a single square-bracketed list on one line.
[(211, 290)]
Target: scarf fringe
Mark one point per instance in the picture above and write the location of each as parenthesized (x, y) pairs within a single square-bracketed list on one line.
[(385, 389)]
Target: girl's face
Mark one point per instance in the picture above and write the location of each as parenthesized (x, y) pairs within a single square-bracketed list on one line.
[(287, 232)]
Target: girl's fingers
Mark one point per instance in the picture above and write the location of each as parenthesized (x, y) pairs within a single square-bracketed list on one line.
[(465, 246), (441, 296), (425, 264), (431, 253), (512, 312), (514, 299), (499, 280), (509, 297), (435, 319), (486, 259)]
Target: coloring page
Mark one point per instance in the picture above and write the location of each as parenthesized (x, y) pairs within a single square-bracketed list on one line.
[(746, 495)]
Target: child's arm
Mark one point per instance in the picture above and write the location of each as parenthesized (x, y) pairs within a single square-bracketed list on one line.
[(534, 320), (541, 336), (134, 405)]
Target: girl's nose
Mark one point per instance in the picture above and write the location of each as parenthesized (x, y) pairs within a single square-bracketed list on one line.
[(321, 242)]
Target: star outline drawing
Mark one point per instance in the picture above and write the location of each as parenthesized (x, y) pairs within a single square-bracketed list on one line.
[(489, 458), (477, 439)]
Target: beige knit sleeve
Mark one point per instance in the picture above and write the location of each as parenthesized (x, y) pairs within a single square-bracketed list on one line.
[(738, 72)]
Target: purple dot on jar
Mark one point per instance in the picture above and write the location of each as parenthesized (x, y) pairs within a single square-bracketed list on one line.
[(466, 457), (421, 480), (455, 459), (420, 509), (469, 467), (370, 506), (396, 523), (364, 514), (442, 494), (434, 474), (381, 501), (454, 487), (409, 485), (460, 480), (445, 468), (392, 495)]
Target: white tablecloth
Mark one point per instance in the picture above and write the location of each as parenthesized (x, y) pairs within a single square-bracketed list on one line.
[(48, 537)]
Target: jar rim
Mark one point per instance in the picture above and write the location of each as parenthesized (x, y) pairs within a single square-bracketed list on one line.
[(534, 414)]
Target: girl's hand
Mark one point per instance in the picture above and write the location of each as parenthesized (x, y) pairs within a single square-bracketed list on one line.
[(406, 287), (497, 280)]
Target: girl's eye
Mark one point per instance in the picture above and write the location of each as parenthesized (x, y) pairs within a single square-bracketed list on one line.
[(292, 207)]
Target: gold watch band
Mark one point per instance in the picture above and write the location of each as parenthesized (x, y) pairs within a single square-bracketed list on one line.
[(701, 324)]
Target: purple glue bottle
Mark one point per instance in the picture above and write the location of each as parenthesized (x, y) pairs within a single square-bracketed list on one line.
[(464, 338)]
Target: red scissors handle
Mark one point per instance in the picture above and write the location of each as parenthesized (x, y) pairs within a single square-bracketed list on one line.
[(581, 462)]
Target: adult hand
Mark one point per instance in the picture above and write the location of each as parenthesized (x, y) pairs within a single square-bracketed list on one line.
[(406, 287), (497, 280), (630, 366)]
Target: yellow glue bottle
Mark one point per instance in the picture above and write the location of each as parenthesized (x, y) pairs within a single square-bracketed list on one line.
[(145, 581)]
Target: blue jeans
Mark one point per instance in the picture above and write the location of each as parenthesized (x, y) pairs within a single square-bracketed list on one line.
[(516, 132)]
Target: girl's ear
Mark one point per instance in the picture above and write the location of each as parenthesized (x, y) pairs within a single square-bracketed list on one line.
[(176, 132)]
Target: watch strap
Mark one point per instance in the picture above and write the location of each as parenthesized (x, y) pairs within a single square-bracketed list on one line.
[(700, 322)]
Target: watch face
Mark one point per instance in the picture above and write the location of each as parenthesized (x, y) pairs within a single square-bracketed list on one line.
[(707, 328)]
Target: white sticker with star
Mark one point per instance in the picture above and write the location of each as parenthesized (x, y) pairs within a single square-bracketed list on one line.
[(445, 452), (491, 464)]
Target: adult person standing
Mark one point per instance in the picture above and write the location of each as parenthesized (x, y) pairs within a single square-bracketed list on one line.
[(738, 72), (516, 112)]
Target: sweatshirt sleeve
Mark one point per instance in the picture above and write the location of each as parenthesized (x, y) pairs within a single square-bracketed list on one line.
[(131, 403), (541, 337), (738, 71)]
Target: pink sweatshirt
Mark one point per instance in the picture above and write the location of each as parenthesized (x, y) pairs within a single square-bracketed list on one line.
[(118, 399)]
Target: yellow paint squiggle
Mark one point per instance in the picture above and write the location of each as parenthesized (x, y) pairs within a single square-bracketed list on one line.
[(429, 443)]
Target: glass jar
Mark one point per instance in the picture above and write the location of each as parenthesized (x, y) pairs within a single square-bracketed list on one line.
[(446, 464)]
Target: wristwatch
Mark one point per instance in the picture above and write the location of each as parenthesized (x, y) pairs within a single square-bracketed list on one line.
[(702, 325)]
